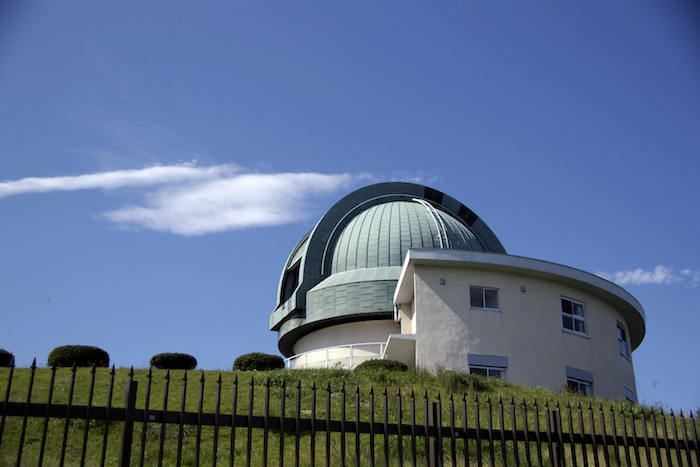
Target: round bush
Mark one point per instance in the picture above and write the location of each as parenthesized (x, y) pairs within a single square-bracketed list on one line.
[(78, 355), (174, 361), (6, 358), (389, 365), (258, 361)]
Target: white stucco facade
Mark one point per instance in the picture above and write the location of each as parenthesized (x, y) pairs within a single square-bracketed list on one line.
[(525, 332)]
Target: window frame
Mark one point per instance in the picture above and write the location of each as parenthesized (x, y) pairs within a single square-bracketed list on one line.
[(574, 317), (500, 370), (483, 298), (623, 344), (580, 384)]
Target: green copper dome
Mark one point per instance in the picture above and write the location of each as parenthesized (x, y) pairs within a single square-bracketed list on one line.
[(347, 267), (381, 235)]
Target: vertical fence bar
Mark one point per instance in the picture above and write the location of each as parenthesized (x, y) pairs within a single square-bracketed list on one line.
[(266, 417), (312, 456), (432, 442), (591, 422), (548, 427), (465, 426), (502, 429), (110, 393), (128, 427), (695, 437), (357, 425), (606, 452), (477, 426), (453, 436), (161, 445), (386, 427), (399, 418), (26, 413), (571, 434), (583, 433), (342, 423), (282, 400), (634, 436), (181, 429), (87, 415), (675, 438), (146, 415), (249, 441), (526, 432), (656, 436), (685, 440), (413, 428), (234, 409), (198, 442), (217, 423), (328, 425), (489, 410), (514, 431), (67, 423), (625, 440), (536, 415), (613, 427), (371, 426), (426, 424), (47, 417), (666, 438), (298, 424), (645, 435)]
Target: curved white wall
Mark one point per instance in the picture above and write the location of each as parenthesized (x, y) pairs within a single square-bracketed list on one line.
[(350, 333), (527, 330)]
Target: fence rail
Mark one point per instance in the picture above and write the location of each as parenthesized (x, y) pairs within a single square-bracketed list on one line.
[(308, 426)]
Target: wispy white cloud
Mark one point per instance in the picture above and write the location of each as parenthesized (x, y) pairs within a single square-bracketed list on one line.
[(231, 203), (660, 275), (189, 200)]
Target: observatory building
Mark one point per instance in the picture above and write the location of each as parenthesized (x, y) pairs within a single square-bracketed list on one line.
[(404, 272)]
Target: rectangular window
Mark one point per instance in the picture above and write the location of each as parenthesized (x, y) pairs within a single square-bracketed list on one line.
[(583, 388), (482, 297), (489, 372), (573, 316), (579, 381), (490, 366), (622, 340)]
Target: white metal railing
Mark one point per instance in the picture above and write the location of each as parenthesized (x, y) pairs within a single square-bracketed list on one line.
[(346, 356)]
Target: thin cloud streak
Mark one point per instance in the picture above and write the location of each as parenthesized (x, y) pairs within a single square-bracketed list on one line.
[(189, 200), (660, 275), (155, 175)]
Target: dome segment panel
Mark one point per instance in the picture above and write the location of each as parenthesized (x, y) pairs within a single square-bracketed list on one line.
[(381, 235)]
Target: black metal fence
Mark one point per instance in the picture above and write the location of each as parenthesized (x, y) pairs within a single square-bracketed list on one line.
[(270, 423)]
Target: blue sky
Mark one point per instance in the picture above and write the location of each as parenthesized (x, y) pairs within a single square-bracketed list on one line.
[(159, 160)]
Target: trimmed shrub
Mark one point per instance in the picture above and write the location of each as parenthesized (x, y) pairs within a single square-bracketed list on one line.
[(5, 358), (78, 355), (174, 361), (258, 361), (389, 365)]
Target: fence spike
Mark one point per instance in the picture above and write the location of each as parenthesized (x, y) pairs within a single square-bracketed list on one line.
[(131, 373), (201, 379), (267, 383), (33, 364), (184, 377)]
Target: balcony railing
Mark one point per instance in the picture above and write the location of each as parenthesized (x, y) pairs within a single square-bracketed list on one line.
[(341, 356)]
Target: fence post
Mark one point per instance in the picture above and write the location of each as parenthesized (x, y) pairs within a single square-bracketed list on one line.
[(433, 448), (128, 427), (555, 430)]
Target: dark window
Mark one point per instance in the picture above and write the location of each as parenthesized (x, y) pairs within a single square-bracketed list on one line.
[(290, 282), (482, 297), (573, 316)]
